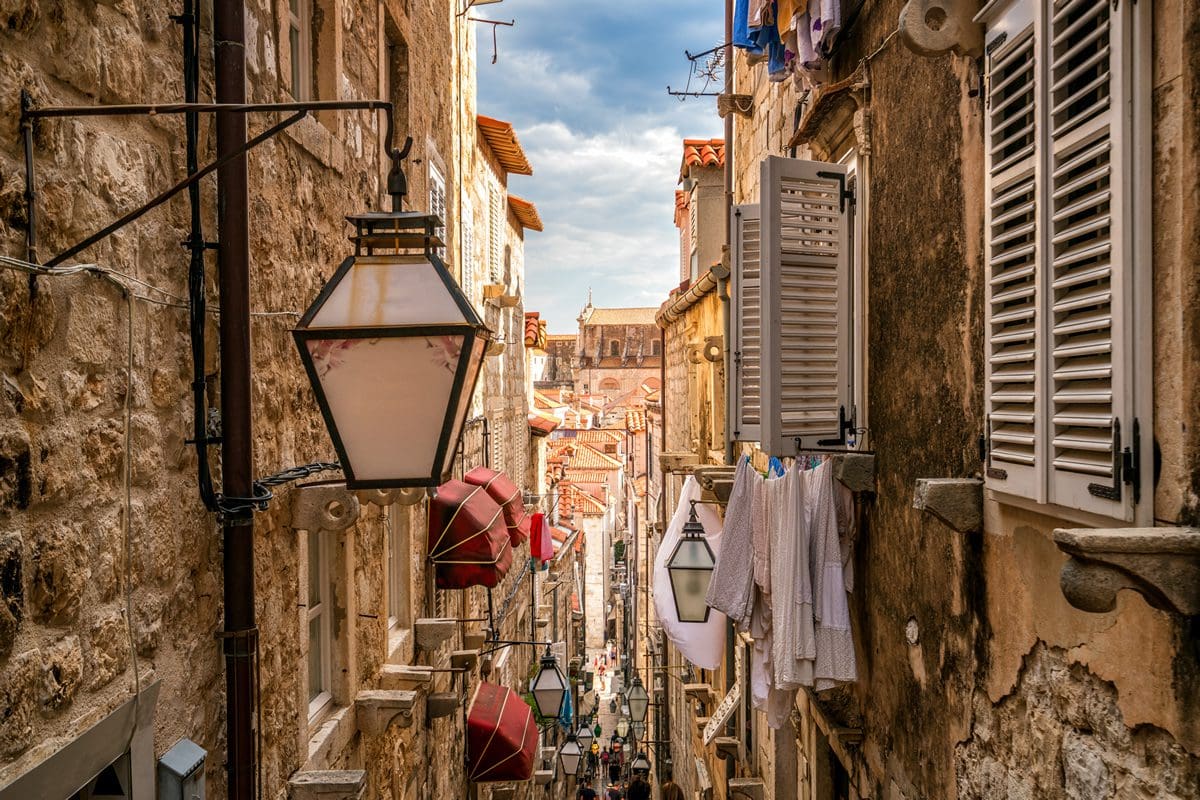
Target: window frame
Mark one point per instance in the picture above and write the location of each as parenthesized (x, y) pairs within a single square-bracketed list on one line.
[(300, 37), (399, 572), (320, 702)]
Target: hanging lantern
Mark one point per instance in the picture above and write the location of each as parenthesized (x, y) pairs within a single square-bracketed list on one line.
[(640, 763), (690, 568), (639, 730), (393, 349), (637, 699), (623, 727), (549, 688), (584, 737), (569, 755)]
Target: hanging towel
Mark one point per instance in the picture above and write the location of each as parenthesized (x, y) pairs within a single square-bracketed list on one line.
[(741, 27), (732, 587), (703, 644), (835, 661)]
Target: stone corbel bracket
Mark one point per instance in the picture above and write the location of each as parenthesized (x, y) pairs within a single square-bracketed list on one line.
[(504, 793), (328, 784), (1161, 564), (727, 747), (746, 788), (442, 704), (735, 104), (323, 507), (958, 502), (677, 462), (377, 708), (716, 481), (856, 471), (699, 691), (429, 633), (386, 497), (933, 27), (497, 293), (464, 659), (405, 676), (542, 777)]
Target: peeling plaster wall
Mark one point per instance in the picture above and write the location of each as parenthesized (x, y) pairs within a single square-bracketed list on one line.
[(1007, 691)]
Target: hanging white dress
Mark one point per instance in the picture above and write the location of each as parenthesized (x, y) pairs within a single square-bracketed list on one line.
[(794, 645), (835, 661), (732, 587), (702, 643)]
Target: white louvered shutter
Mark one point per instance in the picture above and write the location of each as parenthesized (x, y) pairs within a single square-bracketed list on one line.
[(468, 253), (745, 326), (806, 304), (1013, 329), (1090, 257)]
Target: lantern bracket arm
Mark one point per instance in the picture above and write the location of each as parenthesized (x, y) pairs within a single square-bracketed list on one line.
[(397, 185)]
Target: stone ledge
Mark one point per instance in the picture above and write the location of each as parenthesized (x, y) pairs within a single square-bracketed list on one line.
[(677, 462), (727, 747), (748, 788), (464, 659), (377, 708), (1161, 564), (542, 777), (698, 691), (328, 784), (405, 676), (856, 471), (442, 704), (958, 502)]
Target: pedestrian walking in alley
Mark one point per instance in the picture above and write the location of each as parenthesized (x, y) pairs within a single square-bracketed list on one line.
[(670, 789), (639, 789), (614, 769), (586, 792), (614, 792)]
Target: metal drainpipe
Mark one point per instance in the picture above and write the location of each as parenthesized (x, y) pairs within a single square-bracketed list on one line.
[(729, 55), (233, 258)]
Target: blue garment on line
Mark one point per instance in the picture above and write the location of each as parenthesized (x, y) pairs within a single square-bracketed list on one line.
[(775, 468), (741, 32)]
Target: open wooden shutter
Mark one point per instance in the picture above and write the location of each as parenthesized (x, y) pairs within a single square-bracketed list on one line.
[(496, 233), (806, 304), (1013, 328), (1089, 254), (745, 326)]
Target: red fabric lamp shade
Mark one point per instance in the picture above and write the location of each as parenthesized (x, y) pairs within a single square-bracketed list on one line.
[(541, 547), (468, 539), (505, 492), (502, 736)]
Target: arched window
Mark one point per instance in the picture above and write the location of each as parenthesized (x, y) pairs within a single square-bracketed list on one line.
[(614, 348), (609, 384)]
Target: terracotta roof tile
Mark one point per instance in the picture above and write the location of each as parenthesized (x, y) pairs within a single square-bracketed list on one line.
[(535, 330), (543, 424), (592, 476), (702, 153), (587, 457), (681, 208), (635, 421), (502, 139), (525, 212), (621, 316)]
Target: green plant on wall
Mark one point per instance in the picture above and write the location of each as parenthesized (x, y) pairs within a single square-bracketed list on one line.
[(619, 551)]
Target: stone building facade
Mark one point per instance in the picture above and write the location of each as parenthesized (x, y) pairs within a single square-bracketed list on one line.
[(617, 350), (112, 570), (978, 677)]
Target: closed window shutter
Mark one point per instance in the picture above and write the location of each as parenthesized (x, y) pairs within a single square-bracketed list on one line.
[(1090, 261), (745, 325), (468, 254), (1013, 291), (806, 304), (437, 203), (496, 233)]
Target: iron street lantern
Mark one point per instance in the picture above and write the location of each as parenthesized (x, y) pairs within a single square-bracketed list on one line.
[(393, 349), (640, 763), (639, 730), (637, 699), (597, 730), (623, 727), (584, 737), (569, 755), (549, 688), (690, 568)]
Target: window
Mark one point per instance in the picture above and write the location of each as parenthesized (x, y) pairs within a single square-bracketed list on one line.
[(793, 389), (1064, 271), (693, 236), (468, 253), (496, 219), (398, 550), (300, 48), (320, 644), (614, 348), (609, 384), (437, 203), (655, 348)]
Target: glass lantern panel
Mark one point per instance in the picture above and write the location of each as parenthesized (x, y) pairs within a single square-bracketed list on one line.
[(389, 291), (692, 554), (388, 398), (690, 587), (464, 399), (569, 755)]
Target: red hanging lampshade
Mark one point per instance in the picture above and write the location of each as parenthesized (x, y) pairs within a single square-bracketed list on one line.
[(508, 495), (502, 736), (468, 539)]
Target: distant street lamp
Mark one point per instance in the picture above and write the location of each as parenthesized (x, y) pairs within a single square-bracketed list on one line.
[(393, 350), (584, 737), (690, 568), (549, 688), (640, 763), (569, 755), (623, 727), (637, 699)]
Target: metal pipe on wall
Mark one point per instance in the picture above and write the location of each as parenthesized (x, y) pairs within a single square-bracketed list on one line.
[(724, 296), (233, 258)]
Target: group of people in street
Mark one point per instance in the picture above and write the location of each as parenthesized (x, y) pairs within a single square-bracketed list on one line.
[(636, 789)]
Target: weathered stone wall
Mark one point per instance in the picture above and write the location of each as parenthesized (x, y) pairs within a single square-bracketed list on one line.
[(65, 658)]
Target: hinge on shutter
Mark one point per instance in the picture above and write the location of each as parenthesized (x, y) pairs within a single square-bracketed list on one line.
[(985, 453), (844, 194), (1126, 468), (845, 426)]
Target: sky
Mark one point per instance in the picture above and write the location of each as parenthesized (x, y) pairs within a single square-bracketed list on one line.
[(584, 84)]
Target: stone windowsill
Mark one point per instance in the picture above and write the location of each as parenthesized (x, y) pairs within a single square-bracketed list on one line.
[(399, 645), (331, 737), (319, 142)]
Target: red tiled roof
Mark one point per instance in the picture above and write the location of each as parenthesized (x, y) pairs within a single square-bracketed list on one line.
[(502, 139), (543, 424), (542, 400), (534, 332), (525, 212), (593, 476), (681, 208), (635, 421), (586, 457), (702, 153)]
